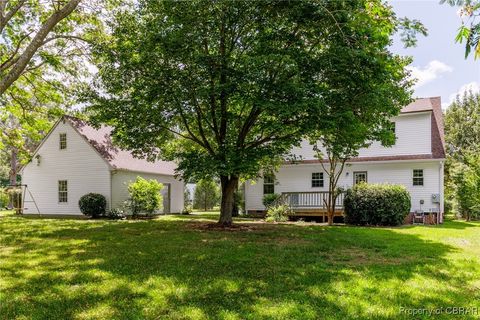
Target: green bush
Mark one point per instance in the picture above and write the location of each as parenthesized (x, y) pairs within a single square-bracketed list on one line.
[(376, 204), (93, 205), (269, 199), (145, 196), (278, 213), (115, 214), (3, 198), (187, 210)]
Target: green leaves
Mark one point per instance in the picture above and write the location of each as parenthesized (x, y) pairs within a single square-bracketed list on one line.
[(226, 88), (469, 31), (145, 196)]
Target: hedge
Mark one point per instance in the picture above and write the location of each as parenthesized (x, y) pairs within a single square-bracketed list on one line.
[(376, 204)]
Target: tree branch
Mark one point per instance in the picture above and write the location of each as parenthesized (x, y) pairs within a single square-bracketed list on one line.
[(35, 44), (5, 19)]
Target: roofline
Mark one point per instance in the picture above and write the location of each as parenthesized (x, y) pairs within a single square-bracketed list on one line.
[(392, 159), (416, 111), (140, 171)]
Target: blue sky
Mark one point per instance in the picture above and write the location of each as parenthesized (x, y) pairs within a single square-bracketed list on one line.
[(439, 63)]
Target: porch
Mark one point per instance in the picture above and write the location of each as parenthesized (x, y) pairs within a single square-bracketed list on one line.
[(311, 203)]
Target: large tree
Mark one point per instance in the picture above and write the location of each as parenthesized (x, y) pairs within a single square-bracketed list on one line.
[(227, 87), (462, 138), (462, 126), (206, 194)]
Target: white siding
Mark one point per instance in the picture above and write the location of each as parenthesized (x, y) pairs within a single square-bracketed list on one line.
[(120, 180), (413, 133), (291, 178), (79, 164)]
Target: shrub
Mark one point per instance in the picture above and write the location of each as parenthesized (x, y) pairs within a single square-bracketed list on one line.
[(115, 214), (145, 196), (376, 204), (269, 199), (93, 205), (278, 213), (187, 210), (3, 198)]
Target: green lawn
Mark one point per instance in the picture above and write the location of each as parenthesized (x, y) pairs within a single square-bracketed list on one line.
[(173, 268)]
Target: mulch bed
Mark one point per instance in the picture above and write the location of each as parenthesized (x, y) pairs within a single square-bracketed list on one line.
[(219, 227)]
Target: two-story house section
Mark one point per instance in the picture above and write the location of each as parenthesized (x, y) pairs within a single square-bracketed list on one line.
[(416, 160)]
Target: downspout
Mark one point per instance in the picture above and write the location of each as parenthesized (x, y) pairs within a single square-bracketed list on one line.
[(441, 191), (112, 172)]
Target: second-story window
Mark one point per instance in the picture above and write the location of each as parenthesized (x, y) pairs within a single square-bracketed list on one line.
[(63, 141), (317, 179), (268, 184)]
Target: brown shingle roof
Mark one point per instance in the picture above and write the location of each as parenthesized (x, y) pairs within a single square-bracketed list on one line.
[(419, 105), (117, 158)]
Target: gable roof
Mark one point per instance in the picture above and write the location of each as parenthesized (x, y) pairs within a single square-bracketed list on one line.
[(421, 104), (117, 158)]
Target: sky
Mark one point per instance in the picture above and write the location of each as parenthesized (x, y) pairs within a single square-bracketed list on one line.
[(439, 63)]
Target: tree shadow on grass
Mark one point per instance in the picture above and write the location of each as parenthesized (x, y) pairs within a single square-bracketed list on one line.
[(166, 269)]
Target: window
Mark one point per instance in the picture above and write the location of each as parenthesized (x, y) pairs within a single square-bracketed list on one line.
[(359, 176), (63, 141), (418, 177), (317, 179), (62, 191), (268, 184)]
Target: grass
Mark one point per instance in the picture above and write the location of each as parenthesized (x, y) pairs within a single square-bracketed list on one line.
[(169, 268)]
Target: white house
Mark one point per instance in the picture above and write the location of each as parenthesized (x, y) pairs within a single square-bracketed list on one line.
[(415, 161), (75, 159)]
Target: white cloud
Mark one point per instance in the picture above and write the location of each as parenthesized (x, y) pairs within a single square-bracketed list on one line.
[(428, 73), (473, 86)]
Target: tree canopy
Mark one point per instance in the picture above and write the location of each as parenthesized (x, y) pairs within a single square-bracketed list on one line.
[(226, 88), (462, 138)]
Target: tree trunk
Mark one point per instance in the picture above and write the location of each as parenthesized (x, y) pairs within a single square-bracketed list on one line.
[(12, 177), (235, 202), (331, 190), (228, 184)]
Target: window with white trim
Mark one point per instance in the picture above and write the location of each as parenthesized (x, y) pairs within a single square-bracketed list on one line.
[(317, 179), (418, 177), (268, 184), (63, 141), (62, 191), (359, 177)]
